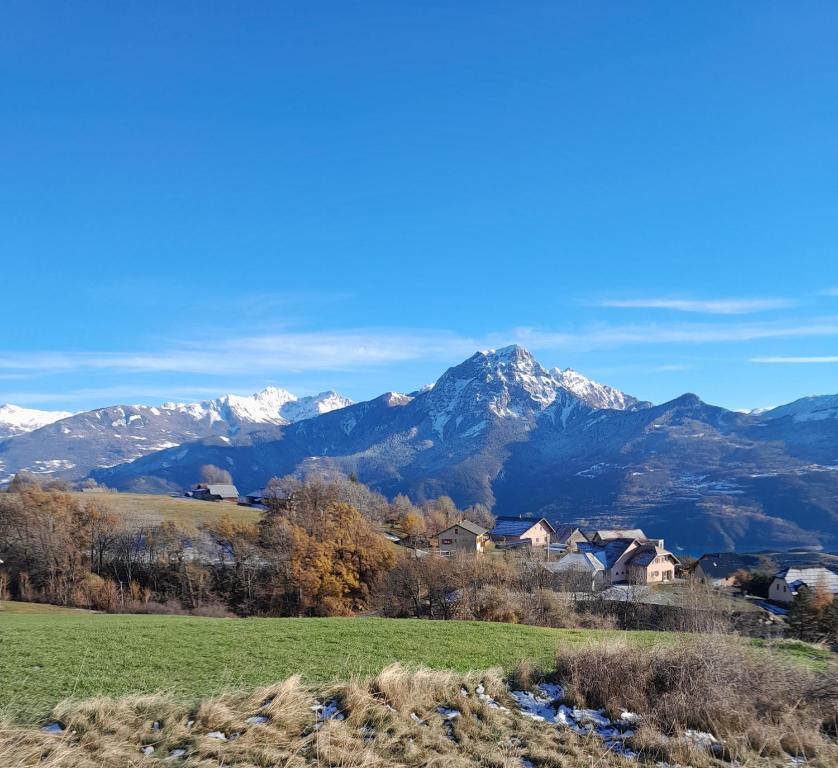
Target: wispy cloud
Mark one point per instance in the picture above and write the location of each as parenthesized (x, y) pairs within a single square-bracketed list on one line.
[(779, 360), (301, 352), (736, 306)]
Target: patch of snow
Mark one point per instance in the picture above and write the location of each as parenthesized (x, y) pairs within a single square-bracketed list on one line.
[(15, 420), (814, 408), (257, 720), (328, 711)]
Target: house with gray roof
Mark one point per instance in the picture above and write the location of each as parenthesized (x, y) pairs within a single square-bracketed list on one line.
[(719, 568), (521, 531), (216, 492), (464, 537), (632, 560), (788, 582), (578, 570), (603, 535), (567, 537)]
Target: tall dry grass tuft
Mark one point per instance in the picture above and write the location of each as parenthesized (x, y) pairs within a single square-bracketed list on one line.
[(405, 717), (756, 703)]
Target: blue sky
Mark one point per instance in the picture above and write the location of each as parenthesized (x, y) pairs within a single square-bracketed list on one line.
[(198, 198)]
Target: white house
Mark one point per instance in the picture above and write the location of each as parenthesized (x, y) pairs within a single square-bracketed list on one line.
[(788, 582)]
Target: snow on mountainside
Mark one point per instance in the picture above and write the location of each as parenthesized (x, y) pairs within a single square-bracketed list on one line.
[(270, 406), (315, 405), (512, 384), (501, 430), (15, 420), (814, 408), (594, 394), (74, 445)]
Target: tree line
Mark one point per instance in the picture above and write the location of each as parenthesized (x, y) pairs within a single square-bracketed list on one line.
[(317, 549)]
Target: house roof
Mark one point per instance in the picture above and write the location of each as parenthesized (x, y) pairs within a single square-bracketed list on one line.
[(576, 561), (721, 565), (468, 526), (564, 532), (516, 526), (224, 490), (608, 553), (620, 533), (646, 553), (810, 577)]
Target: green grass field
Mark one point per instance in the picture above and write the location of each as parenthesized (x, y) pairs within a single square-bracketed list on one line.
[(45, 657), (48, 654), (138, 509)]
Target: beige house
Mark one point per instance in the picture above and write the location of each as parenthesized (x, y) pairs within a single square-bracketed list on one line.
[(633, 561), (569, 537), (519, 531), (464, 537), (650, 564), (788, 582)]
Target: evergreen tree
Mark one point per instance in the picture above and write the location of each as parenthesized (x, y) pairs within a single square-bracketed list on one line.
[(803, 617)]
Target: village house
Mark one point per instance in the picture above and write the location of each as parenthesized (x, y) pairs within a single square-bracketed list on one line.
[(788, 582), (254, 498), (633, 561), (517, 531), (582, 570), (216, 492), (718, 569), (463, 537), (566, 538)]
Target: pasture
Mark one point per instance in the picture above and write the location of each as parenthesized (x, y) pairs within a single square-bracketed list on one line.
[(53, 655)]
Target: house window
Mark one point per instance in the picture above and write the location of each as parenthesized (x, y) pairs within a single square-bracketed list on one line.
[(447, 541)]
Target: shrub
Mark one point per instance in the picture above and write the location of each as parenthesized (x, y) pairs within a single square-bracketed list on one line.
[(716, 685)]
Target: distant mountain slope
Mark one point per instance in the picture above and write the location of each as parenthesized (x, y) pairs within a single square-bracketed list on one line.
[(75, 445), (15, 420), (450, 438), (502, 430)]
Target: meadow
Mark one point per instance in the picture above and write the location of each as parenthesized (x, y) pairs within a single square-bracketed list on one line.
[(141, 509), (51, 654)]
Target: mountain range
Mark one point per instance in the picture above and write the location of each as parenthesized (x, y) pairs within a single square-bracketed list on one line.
[(498, 429), (69, 446)]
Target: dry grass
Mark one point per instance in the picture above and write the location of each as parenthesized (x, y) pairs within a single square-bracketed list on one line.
[(393, 720), (390, 720), (755, 703), (142, 509)]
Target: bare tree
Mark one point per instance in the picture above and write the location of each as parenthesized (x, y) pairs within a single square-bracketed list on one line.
[(212, 474)]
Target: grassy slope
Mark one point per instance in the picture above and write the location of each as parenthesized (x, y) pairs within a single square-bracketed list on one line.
[(48, 657), (145, 508), (53, 654), (13, 607)]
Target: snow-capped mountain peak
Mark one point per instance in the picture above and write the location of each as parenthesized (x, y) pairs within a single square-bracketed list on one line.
[(591, 392), (272, 405), (15, 420), (261, 407), (301, 408)]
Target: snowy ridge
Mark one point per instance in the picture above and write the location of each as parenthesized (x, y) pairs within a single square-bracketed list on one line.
[(511, 384), (591, 392), (814, 408), (272, 405), (73, 444), (15, 420)]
